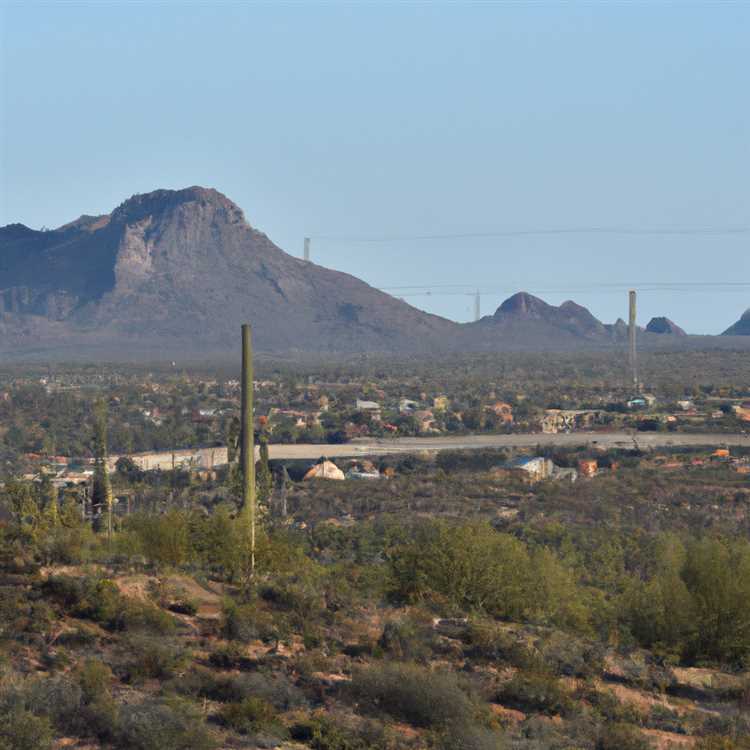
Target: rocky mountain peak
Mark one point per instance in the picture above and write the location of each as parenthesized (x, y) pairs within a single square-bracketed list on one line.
[(664, 325)]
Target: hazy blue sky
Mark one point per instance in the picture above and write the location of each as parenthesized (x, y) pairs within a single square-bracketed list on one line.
[(403, 119)]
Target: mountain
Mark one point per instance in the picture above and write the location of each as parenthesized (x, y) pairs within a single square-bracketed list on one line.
[(179, 271), (664, 326), (175, 272), (741, 327), (524, 321)]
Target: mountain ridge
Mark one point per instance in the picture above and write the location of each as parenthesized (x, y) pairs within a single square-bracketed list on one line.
[(179, 270)]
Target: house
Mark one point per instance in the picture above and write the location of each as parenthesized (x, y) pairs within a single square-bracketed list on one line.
[(686, 405), (426, 420), (531, 468), (588, 467), (742, 411), (568, 420), (407, 406), (369, 407), (564, 474), (362, 470), (325, 469), (440, 403), (503, 411)]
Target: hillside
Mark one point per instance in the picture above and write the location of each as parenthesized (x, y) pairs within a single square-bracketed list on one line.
[(182, 269), (741, 327)]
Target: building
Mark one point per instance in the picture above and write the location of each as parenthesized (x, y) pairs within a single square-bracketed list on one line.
[(531, 468), (426, 420), (440, 403), (568, 420), (503, 411), (363, 470), (407, 406), (372, 408), (325, 469), (588, 467)]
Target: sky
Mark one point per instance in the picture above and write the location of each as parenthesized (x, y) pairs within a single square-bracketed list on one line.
[(366, 126)]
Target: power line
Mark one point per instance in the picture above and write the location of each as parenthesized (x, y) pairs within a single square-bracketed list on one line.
[(469, 288), (616, 230)]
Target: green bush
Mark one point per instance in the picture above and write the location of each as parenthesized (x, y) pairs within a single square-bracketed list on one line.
[(621, 737), (154, 658), (406, 639), (414, 694), (22, 730), (247, 622), (154, 725), (251, 715), (535, 692)]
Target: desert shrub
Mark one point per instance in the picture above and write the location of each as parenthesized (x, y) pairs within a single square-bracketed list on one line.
[(22, 730), (133, 615), (721, 742), (82, 636), (57, 698), (324, 733), (414, 694), (154, 725), (251, 715), (230, 656), (275, 689), (621, 737), (165, 539), (485, 640), (406, 639), (154, 658), (94, 678), (247, 622), (608, 705), (567, 655), (472, 567), (470, 737), (535, 692), (100, 600), (665, 719)]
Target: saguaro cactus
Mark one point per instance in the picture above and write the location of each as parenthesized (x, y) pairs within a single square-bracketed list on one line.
[(248, 441)]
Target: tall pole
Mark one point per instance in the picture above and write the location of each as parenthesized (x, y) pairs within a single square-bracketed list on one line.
[(248, 448), (632, 340), (477, 306), (307, 248)]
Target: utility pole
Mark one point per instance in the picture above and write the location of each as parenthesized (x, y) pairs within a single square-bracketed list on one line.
[(248, 448), (307, 249), (477, 306), (632, 332)]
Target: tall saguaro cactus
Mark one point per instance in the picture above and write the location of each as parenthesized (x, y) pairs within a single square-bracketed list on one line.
[(248, 442), (102, 489)]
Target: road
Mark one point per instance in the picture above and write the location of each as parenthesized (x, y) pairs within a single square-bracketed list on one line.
[(211, 457), (474, 442)]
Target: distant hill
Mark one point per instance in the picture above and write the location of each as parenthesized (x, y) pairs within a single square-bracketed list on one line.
[(741, 327), (664, 326), (528, 322), (175, 272)]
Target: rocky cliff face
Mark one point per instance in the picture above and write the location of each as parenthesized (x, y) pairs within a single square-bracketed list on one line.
[(664, 326), (184, 269)]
